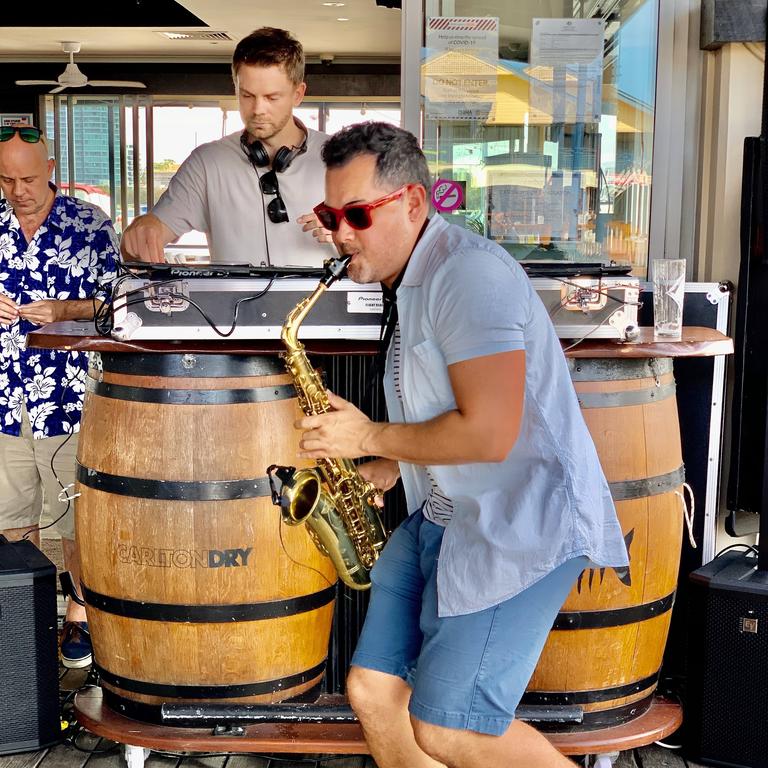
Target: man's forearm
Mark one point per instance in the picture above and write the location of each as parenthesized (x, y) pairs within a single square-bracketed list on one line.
[(78, 309), (482, 426), (450, 438)]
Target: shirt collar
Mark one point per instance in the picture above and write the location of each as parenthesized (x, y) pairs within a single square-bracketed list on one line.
[(414, 272), (54, 217)]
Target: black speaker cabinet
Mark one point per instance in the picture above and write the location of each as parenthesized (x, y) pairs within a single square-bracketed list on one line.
[(29, 667), (726, 714)]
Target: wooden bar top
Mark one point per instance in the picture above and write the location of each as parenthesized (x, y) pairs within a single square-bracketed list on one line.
[(695, 342), (82, 337)]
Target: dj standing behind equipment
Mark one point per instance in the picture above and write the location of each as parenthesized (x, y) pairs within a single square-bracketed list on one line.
[(251, 193), (57, 256), (501, 476)]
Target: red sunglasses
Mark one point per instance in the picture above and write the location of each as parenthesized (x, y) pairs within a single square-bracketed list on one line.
[(357, 215)]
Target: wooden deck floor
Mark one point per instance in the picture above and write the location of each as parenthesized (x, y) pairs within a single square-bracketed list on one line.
[(109, 755), (94, 752), (68, 757), (89, 750)]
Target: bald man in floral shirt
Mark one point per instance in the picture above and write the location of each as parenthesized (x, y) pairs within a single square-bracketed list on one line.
[(57, 258)]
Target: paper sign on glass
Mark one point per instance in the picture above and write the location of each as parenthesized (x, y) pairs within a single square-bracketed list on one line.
[(16, 118), (566, 70), (460, 68)]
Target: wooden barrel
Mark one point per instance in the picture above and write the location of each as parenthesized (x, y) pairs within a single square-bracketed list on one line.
[(196, 591), (605, 650)]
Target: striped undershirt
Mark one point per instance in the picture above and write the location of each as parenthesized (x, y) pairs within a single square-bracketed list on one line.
[(438, 508)]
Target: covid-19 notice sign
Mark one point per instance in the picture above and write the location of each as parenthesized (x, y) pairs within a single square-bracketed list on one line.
[(460, 68)]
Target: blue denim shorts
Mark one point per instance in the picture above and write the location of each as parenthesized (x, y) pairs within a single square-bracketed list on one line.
[(466, 672)]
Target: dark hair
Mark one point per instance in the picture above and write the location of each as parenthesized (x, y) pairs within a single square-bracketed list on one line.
[(399, 159), (268, 47)]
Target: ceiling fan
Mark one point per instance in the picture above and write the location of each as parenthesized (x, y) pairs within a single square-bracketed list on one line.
[(72, 77)]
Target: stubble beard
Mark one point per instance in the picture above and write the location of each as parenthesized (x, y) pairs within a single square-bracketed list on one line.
[(265, 131), (358, 271)]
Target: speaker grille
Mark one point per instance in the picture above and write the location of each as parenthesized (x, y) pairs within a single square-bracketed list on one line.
[(29, 682), (735, 692)]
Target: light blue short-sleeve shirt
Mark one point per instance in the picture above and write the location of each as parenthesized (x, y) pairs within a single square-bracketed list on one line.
[(517, 520)]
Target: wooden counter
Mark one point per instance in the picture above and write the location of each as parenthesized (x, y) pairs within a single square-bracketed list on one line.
[(82, 337)]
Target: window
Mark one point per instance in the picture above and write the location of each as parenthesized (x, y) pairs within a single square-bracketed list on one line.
[(545, 118), (88, 133)]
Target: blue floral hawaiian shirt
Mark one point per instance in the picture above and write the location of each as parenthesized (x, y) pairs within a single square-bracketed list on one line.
[(72, 256)]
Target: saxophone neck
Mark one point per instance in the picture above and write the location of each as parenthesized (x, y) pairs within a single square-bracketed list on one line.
[(294, 319), (334, 269)]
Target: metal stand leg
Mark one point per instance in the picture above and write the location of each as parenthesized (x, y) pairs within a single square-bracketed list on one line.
[(135, 756)]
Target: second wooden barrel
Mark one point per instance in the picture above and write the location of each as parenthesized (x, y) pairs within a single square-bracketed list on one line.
[(605, 650), (195, 589)]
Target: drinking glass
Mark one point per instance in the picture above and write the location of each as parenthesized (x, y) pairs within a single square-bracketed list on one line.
[(668, 294)]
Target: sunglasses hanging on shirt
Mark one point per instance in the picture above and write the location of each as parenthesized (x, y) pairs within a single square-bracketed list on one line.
[(259, 158), (276, 209)]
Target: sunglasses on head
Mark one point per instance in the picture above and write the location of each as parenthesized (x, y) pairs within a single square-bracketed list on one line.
[(26, 132), (357, 215), (276, 209)]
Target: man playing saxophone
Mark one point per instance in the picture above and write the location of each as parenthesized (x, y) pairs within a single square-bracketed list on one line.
[(502, 479)]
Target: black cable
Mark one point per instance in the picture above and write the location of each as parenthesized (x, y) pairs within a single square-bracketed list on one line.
[(263, 216), (292, 759), (102, 309), (102, 317), (304, 760), (73, 741), (37, 528), (263, 199), (73, 728), (751, 547), (297, 562), (182, 755), (211, 322), (103, 321), (141, 297)]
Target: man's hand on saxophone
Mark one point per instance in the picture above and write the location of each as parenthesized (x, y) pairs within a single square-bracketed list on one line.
[(343, 433), (382, 473)]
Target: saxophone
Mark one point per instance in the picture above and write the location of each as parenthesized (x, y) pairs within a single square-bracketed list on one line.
[(331, 499)]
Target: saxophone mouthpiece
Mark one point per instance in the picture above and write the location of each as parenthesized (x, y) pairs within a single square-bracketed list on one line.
[(335, 269)]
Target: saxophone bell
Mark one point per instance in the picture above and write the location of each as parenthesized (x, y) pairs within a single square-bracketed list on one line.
[(299, 492), (303, 501)]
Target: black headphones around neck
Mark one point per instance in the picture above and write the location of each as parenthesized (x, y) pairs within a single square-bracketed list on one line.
[(259, 157)]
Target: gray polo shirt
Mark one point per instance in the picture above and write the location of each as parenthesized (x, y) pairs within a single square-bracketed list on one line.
[(517, 520), (216, 191)]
